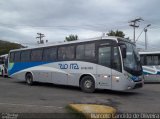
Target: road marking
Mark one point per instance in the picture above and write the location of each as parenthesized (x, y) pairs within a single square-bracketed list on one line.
[(30, 105)]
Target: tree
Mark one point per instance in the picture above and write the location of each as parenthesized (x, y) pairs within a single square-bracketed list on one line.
[(6, 46), (116, 33), (71, 38)]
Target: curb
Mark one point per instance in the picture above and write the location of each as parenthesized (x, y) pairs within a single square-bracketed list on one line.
[(94, 111)]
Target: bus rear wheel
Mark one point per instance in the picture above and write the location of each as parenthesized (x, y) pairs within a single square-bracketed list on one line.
[(29, 79), (87, 84)]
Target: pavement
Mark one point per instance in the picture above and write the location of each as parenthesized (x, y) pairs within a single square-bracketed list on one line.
[(43, 98)]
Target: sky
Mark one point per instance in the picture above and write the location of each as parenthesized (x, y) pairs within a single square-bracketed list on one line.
[(21, 20)]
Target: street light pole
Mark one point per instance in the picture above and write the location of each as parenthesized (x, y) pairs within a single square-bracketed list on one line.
[(146, 40), (145, 30)]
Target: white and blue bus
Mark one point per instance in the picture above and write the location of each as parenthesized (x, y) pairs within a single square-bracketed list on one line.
[(151, 65), (99, 63), (4, 65)]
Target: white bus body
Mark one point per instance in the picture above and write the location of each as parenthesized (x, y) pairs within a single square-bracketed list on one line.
[(90, 64), (151, 65)]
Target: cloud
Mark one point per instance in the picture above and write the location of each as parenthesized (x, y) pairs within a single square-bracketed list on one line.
[(20, 20)]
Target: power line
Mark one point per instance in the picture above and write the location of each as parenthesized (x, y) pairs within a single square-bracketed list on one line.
[(134, 25), (154, 25), (64, 26), (150, 47), (40, 36), (153, 46)]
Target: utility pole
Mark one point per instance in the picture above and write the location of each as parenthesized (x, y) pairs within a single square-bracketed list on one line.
[(134, 25), (40, 36)]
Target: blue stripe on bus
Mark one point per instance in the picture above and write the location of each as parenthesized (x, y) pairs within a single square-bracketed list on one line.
[(18, 66)]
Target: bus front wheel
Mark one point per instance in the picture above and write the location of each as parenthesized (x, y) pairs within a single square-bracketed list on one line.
[(87, 84), (29, 79)]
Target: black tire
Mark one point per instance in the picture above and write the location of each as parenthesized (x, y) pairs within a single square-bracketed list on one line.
[(87, 84), (29, 79)]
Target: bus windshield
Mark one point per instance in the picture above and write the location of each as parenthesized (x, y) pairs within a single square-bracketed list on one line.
[(132, 60)]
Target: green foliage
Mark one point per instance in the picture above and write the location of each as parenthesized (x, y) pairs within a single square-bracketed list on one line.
[(5, 47), (71, 38), (116, 33)]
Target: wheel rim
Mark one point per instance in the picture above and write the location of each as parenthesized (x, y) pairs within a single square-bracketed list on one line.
[(88, 84)]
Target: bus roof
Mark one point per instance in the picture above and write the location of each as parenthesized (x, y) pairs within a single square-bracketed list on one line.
[(147, 52), (70, 42)]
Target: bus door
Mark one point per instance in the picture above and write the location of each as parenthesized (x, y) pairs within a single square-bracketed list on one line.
[(116, 69), (104, 78)]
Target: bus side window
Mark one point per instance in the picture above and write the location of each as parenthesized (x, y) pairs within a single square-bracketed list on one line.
[(50, 54), (152, 60), (155, 59), (36, 55), (25, 56), (17, 57), (104, 56), (158, 59), (66, 53), (70, 52), (80, 52), (86, 52), (61, 53), (11, 57), (90, 51)]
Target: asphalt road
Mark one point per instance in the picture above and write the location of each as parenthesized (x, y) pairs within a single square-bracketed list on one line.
[(17, 97)]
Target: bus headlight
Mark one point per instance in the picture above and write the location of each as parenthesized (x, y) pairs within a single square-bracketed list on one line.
[(117, 77)]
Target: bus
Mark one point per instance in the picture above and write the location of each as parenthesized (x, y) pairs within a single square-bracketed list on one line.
[(98, 63), (4, 65), (151, 65)]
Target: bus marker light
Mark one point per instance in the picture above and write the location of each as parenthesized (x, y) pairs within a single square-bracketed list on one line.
[(105, 76), (117, 77)]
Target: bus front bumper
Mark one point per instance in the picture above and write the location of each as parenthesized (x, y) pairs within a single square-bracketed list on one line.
[(138, 85)]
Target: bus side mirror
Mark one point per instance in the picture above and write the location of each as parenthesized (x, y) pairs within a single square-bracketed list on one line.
[(123, 48)]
